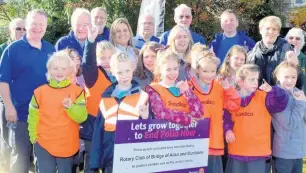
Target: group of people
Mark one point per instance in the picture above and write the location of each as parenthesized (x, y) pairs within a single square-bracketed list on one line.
[(65, 99)]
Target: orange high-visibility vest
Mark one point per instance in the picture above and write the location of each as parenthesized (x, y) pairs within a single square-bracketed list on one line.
[(170, 101), (56, 131), (94, 94), (127, 109), (252, 128), (213, 105)]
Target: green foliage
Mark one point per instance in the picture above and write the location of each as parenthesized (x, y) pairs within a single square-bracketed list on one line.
[(205, 13)]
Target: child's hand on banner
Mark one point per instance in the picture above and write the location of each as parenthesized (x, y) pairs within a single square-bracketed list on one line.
[(230, 137), (144, 111)]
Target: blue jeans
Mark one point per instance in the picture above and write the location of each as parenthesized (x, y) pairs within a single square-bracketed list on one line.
[(288, 165), (21, 148), (237, 166), (215, 164), (87, 157), (50, 164)]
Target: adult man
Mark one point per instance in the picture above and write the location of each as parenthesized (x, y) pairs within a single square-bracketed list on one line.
[(146, 31), (23, 69), (99, 18), (80, 20), (183, 16), (230, 36), (16, 31)]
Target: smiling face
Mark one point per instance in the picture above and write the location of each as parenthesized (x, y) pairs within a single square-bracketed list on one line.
[(122, 34), (237, 60), (207, 72), (181, 41), (147, 26), (123, 72), (36, 25), (149, 59), (269, 33), (183, 17), (287, 77), (17, 30), (59, 70), (229, 22), (169, 72), (80, 26)]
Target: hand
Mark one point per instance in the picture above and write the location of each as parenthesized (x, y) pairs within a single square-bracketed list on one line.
[(11, 114), (292, 57), (230, 137), (183, 86), (299, 95), (265, 86), (67, 102), (144, 111), (224, 82), (92, 33)]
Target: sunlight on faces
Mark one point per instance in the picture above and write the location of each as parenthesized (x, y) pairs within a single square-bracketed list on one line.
[(250, 82), (269, 33), (147, 25), (229, 22), (103, 59), (60, 69), (98, 18), (287, 77), (122, 35), (80, 26), (237, 60), (36, 25), (207, 71), (122, 67), (169, 71), (181, 41), (17, 30), (149, 59), (183, 17)]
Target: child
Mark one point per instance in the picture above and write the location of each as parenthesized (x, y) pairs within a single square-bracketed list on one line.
[(234, 59), (248, 131), (146, 63), (180, 42), (77, 78), (289, 138), (97, 76), (169, 100), (55, 111), (121, 36), (115, 105), (214, 96)]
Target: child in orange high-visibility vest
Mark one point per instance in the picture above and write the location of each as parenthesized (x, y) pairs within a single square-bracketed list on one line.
[(55, 112), (214, 96), (115, 106), (171, 100), (248, 131)]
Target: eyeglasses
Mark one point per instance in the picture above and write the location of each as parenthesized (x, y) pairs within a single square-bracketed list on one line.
[(19, 29), (296, 38), (186, 17)]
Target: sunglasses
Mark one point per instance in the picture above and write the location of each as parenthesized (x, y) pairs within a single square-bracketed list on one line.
[(186, 17), (19, 29), (296, 38)]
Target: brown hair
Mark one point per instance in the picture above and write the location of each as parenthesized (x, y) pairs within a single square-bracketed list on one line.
[(244, 70), (225, 67), (69, 51), (205, 56), (114, 27), (153, 46)]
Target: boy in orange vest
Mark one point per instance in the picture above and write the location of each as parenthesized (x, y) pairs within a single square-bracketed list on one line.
[(248, 131), (115, 105), (55, 112)]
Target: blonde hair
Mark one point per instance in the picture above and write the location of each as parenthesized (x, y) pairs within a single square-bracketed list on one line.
[(272, 19), (244, 70), (172, 38), (120, 57), (226, 67), (282, 65), (204, 57), (162, 58), (77, 13), (103, 46), (58, 57), (114, 27)]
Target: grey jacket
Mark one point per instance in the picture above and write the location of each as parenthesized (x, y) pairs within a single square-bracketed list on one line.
[(289, 141)]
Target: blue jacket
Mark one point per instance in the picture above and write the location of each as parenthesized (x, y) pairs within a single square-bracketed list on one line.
[(69, 41), (289, 141), (244, 40), (90, 74), (197, 38), (138, 41), (102, 146), (104, 35)]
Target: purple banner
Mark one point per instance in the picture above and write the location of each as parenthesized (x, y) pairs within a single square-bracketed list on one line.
[(159, 130)]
